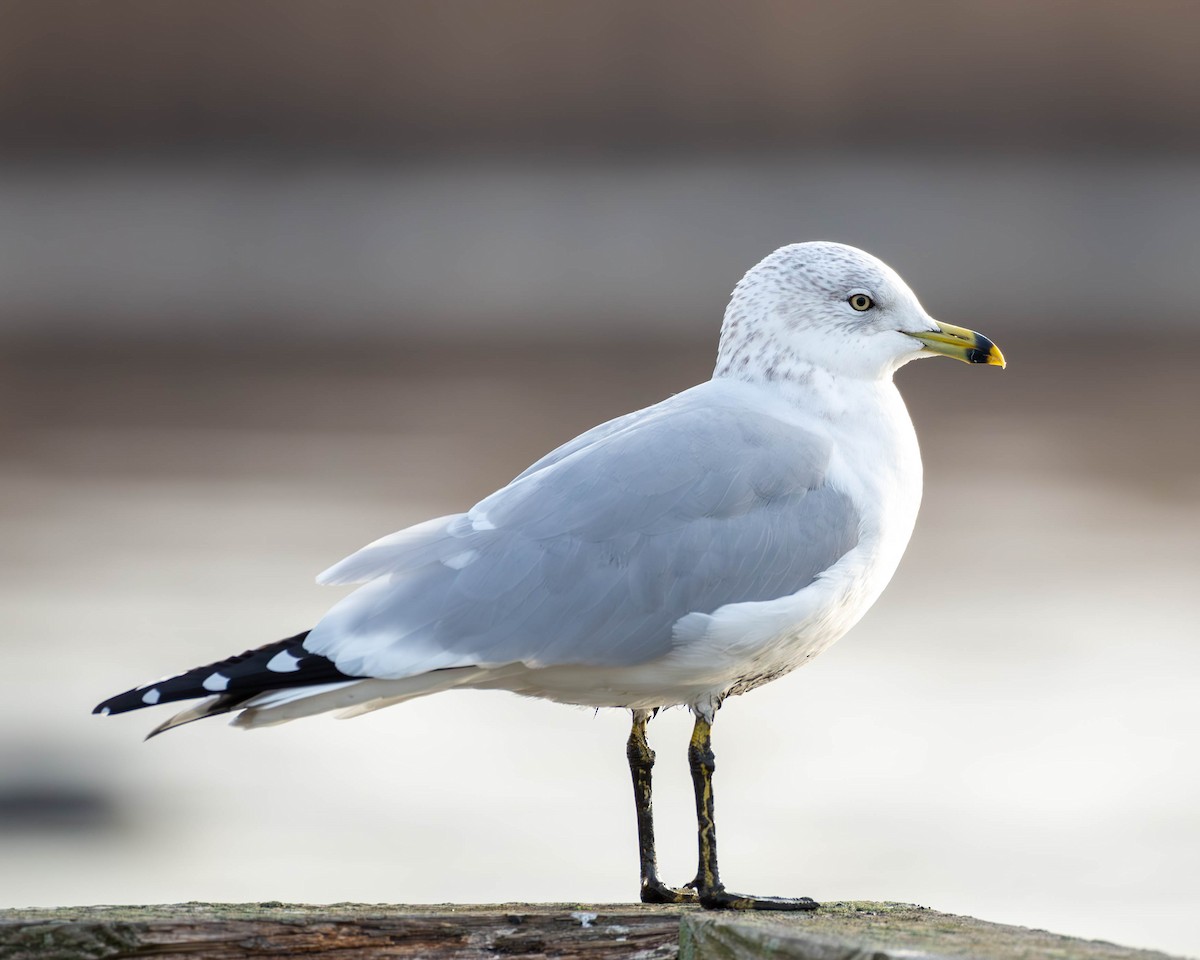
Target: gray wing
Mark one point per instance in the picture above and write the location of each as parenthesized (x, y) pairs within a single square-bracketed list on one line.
[(587, 438), (698, 502)]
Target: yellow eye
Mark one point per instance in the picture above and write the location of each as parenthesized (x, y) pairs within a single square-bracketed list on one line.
[(861, 302)]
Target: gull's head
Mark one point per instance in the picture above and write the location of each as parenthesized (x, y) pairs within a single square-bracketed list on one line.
[(832, 307)]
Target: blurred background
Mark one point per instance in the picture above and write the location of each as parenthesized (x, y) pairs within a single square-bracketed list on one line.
[(279, 277)]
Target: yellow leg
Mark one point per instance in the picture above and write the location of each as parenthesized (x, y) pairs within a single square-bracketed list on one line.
[(708, 879), (641, 763)]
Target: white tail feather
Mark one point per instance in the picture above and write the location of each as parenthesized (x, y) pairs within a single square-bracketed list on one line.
[(277, 698), (354, 697)]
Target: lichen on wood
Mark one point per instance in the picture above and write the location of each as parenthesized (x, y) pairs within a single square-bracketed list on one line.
[(860, 930)]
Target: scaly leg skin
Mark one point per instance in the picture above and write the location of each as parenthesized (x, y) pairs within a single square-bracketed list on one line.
[(712, 892), (641, 763)]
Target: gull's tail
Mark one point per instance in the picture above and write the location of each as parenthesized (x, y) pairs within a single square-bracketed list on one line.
[(277, 682)]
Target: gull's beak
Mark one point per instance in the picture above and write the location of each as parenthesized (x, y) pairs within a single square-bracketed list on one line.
[(961, 344)]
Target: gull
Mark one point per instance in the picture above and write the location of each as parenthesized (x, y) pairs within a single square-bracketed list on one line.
[(675, 556)]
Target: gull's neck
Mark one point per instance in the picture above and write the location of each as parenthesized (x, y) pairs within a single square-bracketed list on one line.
[(763, 358), (759, 357)]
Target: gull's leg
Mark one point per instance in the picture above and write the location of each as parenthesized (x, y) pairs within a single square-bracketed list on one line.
[(708, 881), (641, 763)]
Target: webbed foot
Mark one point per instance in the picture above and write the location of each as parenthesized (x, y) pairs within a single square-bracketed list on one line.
[(722, 899), (655, 891)]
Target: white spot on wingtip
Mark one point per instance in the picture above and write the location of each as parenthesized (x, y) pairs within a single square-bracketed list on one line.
[(105, 712), (460, 560), (216, 682), (151, 696), (283, 662)]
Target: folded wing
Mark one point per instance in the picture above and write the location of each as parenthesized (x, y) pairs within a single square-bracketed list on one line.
[(592, 555)]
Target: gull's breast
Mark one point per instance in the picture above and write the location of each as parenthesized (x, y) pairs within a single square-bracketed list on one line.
[(877, 464)]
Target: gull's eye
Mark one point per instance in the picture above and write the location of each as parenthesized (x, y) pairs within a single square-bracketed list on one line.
[(861, 302)]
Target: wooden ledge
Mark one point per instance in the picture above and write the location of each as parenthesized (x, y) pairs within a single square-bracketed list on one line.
[(861, 930), (850, 930)]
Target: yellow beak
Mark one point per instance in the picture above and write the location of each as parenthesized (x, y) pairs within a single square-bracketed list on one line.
[(961, 344)]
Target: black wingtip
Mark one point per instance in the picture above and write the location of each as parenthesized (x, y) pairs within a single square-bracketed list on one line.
[(122, 702), (233, 681)]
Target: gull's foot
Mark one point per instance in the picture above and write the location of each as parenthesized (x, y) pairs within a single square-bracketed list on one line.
[(722, 899), (656, 891)]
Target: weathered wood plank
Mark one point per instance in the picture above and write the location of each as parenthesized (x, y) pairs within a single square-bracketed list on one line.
[(858, 930), (851, 930), (340, 932)]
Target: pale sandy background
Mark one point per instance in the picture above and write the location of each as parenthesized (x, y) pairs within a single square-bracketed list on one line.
[(275, 281)]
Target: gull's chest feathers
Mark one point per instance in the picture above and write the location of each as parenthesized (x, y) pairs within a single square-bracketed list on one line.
[(875, 462)]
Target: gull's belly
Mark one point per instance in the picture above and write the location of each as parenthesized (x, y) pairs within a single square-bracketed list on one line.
[(756, 643), (748, 644), (741, 646)]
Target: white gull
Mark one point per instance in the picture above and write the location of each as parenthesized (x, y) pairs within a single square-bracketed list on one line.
[(675, 556)]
